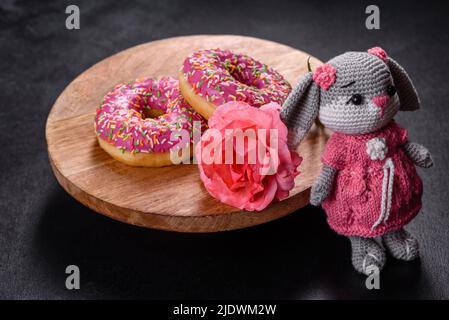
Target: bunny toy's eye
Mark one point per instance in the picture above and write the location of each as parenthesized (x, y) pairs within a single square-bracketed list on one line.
[(355, 99), (391, 91)]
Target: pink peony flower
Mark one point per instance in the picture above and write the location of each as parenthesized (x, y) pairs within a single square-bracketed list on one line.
[(378, 52), (253, 182), (324, 76)]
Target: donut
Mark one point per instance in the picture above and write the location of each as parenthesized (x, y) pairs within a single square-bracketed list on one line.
[(209, 78), (135, 121)]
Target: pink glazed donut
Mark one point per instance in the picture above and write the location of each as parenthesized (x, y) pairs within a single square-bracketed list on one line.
[(209, 78), (135, 121)]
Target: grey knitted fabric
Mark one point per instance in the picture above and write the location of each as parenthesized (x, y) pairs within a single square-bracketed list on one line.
[(366, 253), (370, 77), (322, 186), (419, 154), (304, 95), (401, 245), (407, 93)]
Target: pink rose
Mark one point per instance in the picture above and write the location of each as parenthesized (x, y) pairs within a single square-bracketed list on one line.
[(324, 76), (248, 175), (378, 52)]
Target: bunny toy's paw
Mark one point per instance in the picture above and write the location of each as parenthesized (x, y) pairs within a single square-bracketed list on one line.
[(427, 161), (318, 194), (322, 186), (367, 255), (423, 157), (401, 245), (419, 154)]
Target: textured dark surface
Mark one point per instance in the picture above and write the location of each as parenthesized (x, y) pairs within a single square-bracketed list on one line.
[(43, 229)]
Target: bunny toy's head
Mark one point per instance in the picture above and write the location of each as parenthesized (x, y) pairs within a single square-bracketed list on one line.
[(353, 93)]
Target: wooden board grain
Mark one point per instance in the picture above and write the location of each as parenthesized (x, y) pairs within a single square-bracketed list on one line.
[(169, 198)]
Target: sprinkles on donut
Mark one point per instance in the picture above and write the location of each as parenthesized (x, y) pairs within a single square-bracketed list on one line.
[(135, 121), (209, 78)]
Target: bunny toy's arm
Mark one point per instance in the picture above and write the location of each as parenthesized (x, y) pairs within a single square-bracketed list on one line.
[(323, 185), (419, 154)]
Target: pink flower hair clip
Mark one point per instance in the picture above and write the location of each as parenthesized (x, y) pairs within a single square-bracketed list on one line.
[(379, 52), (324, 76)]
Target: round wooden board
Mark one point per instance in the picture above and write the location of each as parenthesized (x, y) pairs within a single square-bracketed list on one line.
[(170, 198)]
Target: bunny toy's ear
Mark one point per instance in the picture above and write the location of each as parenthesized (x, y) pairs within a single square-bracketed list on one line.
[(300, 109), (408, 97)]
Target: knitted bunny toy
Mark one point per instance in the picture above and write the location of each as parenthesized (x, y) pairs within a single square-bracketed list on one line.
[(368, 185)]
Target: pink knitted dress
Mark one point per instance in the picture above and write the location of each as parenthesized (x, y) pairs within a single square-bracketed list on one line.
[(376, 188)]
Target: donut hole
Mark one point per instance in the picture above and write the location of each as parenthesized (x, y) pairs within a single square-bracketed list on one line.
[(148, 112)]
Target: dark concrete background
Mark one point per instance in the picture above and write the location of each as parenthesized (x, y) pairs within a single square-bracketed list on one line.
[(42, 229)]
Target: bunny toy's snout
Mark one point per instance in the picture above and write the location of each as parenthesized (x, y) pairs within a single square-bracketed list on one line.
[(381, 102)]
